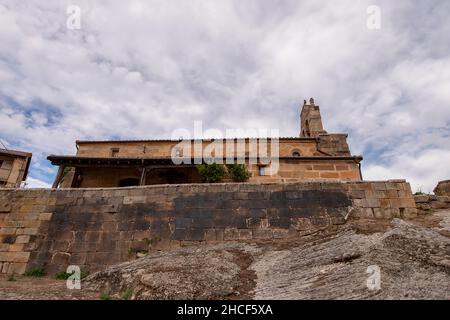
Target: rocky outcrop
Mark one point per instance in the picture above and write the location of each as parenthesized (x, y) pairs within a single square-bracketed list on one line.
[(205, 272), (412, 258), (442, 188), (413, 263), (426, 203)]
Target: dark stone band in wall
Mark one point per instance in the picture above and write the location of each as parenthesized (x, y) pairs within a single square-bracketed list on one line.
[(93, 228)]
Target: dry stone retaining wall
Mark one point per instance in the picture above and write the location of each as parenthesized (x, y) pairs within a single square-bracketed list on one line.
[(93, 228), (427, 203)]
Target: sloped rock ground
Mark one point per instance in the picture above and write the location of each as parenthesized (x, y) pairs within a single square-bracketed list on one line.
[(413, 262), (206, 272), (413, 258)]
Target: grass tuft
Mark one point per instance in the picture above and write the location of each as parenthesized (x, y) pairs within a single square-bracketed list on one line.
[(36, 272)]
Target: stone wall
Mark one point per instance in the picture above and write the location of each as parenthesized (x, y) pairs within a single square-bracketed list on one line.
[(93, 228), (427, 203), (333, 144), (289, 170)]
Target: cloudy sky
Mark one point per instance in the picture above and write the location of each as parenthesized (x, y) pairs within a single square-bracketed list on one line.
[(141, 69)]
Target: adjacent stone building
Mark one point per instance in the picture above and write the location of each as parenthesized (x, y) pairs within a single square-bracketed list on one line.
[(13, 167), (313, 155)]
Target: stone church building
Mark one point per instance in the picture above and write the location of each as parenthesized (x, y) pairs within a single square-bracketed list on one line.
[(314, 155)]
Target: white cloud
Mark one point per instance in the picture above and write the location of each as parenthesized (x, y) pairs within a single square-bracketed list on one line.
[(142, 69), (36, 183), (422, 172)]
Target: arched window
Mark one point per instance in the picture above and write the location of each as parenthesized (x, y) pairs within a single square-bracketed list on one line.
[(295, 153), (129, 182)]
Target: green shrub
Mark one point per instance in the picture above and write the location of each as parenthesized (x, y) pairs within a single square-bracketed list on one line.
[(106, 295), (126, 295), (36, 272), (238, 172), (211, 172), (64, 275), (12, 277)]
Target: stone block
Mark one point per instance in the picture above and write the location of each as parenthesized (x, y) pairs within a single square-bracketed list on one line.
[(210, 235), (393, 193), (385, 203), (16, 247), (195, 234), (371, 203), (439, 205), (110, 226), (31, 224), (395, 212), (245, 234), (14, 256), (230, 234), (240, 196), (5, 206), (421, 198), (78, 258), (408, 213), (443, 198), (379, 186), (262, 234), (293, 195), (378, 213), (280, 233), (30, 246), (404, 194), (175, 244), (400, 181), (17, 268), (60, 245), (45, 216), (93, 236), (30, 231), (357, 194), (264, 223), (7, 231), (358, 202), (367, 213), (179, 234), (407, 203), (134, 199)]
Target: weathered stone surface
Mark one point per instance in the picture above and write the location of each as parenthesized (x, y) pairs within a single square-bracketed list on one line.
[(212, 272), (413, 260), (442, 188), (5, 206), (426, 203), (413, 264), (97, 221), (421, 198)]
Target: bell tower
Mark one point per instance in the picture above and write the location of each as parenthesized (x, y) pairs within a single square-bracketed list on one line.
[(310, 120)]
